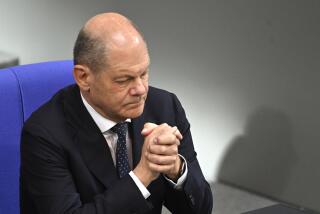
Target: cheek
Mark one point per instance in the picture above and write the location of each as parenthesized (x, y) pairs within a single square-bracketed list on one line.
[(120, 97)]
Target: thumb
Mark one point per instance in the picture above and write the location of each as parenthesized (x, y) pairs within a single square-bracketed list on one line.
[(148, 128)]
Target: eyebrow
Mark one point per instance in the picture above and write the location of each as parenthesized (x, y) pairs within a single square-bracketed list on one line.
[(129, 75), (123, 76)]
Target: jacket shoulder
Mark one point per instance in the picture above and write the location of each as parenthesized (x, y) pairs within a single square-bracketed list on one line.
[(162, 106), (49, 113), (157, 93)]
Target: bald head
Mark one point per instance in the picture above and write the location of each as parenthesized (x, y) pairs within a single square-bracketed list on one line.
[(103, 34)]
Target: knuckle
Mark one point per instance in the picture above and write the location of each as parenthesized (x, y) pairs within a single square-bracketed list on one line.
[(157, 161), (175, 158), (164, 126), (172, 160), (151, 148), (173, 138), (155, 158), (150, 157), (160, 138), (163, 149), (176, 148), (146, 124)]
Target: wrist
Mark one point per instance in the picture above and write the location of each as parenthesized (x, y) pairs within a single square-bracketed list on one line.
[(143, 175), (178, 170)]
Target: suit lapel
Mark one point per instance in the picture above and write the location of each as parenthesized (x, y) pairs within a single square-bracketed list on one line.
[(89, 139), (97, 156)]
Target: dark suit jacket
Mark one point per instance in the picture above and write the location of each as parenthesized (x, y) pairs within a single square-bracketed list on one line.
[(66, 166)]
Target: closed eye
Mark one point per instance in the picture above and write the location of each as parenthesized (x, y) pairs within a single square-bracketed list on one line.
[(144, 74), (123, 80)]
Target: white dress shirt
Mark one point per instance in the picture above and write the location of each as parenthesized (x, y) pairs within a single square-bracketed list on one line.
[(105, 126)]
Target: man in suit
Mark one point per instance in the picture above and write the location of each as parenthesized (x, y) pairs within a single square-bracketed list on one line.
[(110, 143)]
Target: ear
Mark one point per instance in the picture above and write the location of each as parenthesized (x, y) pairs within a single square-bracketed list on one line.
[(82, 75)]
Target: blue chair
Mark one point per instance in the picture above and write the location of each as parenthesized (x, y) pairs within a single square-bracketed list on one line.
[(22, 90)]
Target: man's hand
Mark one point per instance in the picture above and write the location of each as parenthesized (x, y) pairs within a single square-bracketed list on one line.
[(159, 153)]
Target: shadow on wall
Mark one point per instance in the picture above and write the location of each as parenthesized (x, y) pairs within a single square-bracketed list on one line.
[(262, 158)]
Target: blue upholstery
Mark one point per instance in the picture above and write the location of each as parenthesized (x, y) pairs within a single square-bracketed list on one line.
[(22, 90), (10, 125)]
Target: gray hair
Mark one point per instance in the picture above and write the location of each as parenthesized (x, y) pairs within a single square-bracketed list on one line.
[(90, 51)]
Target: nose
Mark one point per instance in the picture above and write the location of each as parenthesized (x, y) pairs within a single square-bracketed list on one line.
[(139, 88)]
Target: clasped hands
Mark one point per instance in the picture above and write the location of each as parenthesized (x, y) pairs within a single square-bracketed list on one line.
[(159, 153)]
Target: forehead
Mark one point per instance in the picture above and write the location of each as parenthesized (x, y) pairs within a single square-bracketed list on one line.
[(130, 60), (129, 71)]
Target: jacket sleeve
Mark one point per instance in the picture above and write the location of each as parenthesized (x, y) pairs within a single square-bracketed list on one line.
[(195, 196), (47, 185)]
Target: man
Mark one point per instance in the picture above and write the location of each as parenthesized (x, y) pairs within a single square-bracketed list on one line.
[(111, 144)]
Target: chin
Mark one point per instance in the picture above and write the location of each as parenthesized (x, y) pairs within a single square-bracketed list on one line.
[(134, 113)]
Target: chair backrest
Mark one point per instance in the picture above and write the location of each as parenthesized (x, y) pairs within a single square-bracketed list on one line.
[(22, 90)]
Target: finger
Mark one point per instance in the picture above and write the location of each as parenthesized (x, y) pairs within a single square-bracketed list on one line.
[(163, 149), (161, 159), (165, 128), (176, 132), (152, 130), (148, 128), (161, 168), (167, 139), (156, 129), (162, 129)]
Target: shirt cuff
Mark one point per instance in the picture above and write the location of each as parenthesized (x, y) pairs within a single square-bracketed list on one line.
[(140, 185), (182, 178)]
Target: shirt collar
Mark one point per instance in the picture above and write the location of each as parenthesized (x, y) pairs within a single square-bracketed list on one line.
[(103, 123)]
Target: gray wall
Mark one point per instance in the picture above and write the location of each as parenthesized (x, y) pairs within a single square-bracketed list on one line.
[(44, 30), (247, 73)]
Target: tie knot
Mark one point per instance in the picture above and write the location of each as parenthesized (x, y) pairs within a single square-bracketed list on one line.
[(120, 128)]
